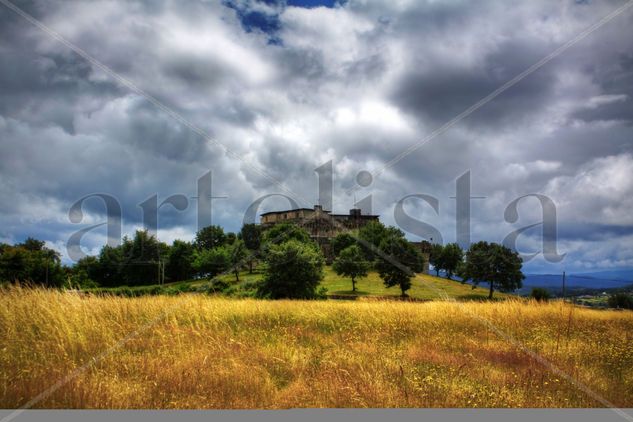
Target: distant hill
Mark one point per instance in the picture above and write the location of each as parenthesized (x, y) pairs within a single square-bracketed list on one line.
[(576, 283)]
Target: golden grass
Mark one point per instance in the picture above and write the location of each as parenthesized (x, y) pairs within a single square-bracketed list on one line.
[(194, 351)]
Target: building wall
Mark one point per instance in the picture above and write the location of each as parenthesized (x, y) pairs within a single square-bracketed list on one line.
[(323, 226)]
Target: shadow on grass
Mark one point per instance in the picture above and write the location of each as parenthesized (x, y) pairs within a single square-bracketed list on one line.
[(349, 293)]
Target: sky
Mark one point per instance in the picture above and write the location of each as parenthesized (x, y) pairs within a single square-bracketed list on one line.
[(262, 93)]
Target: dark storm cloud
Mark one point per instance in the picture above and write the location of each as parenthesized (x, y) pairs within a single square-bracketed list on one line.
[(288, 88)]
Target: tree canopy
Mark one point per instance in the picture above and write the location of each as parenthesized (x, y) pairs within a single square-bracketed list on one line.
[(351, 263), (210, 237), (398, 261), (494, 264), (293, 270)]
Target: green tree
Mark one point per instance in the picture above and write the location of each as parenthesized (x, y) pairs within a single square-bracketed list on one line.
[(435, 258), (494, 264), (179, 265), (230, 238), (111, 263), (283, 232), (32, 245), (621, 301), (342, 241), (251, 234), (293, 270), (210, 237), (452, 256), (31, 262), (351, 263), (85, 272), (211, 262), (372, 234), (237, 253), (398, 262), (141, 259)]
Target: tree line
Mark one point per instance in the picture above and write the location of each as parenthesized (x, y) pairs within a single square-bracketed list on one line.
[(292, 262), (484, 262)]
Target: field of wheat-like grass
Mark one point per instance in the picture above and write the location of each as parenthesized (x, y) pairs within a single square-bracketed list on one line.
[(196, 351)]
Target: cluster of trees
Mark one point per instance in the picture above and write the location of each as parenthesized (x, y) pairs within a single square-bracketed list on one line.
[(484, 262), (293, 262), (144, 260), (621, 301), (140, 260), (378, 247), (31, 262)]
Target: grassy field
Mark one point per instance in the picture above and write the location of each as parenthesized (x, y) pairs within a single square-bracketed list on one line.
[(197, 351), (424, 287)]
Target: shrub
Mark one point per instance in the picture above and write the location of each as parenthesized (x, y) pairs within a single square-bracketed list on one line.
[(540, 294)]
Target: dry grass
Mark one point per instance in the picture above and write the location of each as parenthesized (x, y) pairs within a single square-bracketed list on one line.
[(222, 353)]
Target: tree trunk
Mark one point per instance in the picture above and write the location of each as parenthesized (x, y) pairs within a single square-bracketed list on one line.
[(491, 290), (237, 276), (353, 284)]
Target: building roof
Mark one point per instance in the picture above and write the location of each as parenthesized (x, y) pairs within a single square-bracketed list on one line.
[(295, 209), (312, 209)]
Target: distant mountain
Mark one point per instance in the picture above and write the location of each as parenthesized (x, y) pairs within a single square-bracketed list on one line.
[(578, 282), (624, 275)]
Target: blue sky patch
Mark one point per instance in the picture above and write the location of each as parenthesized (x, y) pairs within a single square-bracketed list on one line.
[(255, 19)]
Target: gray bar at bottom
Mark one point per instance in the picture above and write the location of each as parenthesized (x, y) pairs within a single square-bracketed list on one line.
[(320, 415)]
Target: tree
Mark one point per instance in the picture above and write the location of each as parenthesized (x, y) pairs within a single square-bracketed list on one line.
[(342, 241), (210, 237), (283, 232), (452, 256), (32, 245), (251, 234), (211, 262), (110, 266), (86, 271), (351, 263), (180, 261), (141, 259), (435, 258), (230, 238), (293, 270), (372, 234), (31, 262), (237, 253), (398, 262), (621, 300), (494, 264)]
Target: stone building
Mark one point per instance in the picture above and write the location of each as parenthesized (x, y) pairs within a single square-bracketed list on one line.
[(322, 226), (319, 222)]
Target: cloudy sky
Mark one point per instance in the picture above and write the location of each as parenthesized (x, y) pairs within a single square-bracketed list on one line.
[(263, 93)]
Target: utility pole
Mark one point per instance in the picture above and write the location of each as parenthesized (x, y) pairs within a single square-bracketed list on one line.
[(563, 286)]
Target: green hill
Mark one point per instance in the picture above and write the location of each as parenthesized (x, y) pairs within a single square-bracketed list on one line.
[(424, 287)]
